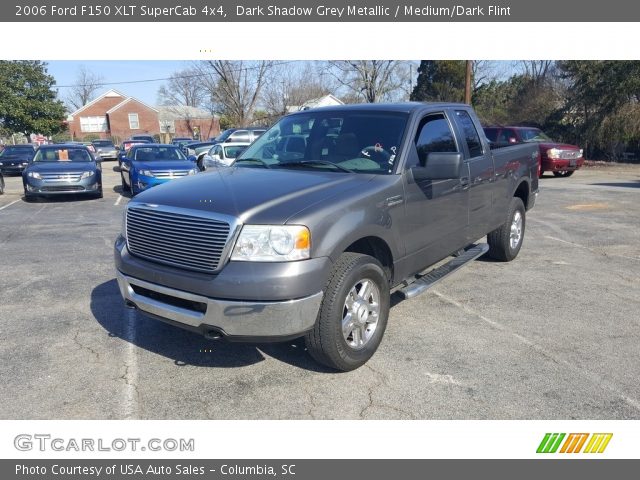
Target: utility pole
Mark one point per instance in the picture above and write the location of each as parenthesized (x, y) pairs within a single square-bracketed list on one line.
[(467, 84)]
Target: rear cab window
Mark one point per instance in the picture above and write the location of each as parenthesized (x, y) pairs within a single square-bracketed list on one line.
[(471, 137)]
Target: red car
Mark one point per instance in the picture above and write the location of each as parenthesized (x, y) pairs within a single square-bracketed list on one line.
[(559, 158)]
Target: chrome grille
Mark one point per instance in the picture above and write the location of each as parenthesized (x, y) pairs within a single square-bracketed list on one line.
[(169, 173), (61, 177), (569, 154), (186, 241)]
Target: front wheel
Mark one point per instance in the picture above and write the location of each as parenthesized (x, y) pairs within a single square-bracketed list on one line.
[(563, 173), (353, 315), (506, 240)]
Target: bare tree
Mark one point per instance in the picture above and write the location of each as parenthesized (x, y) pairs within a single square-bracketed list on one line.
[(234, 88), (84, 89), (371, 80), (290, 86), (537, 70), (183, 88)]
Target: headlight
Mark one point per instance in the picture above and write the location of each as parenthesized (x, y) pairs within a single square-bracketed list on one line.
[(34, 175), (146, 173), (272, 243), (86, 175), (553, 153), (193, 171), (581, 152)]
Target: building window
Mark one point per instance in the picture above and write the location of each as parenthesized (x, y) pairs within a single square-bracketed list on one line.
[(133, 121), (93, 124)]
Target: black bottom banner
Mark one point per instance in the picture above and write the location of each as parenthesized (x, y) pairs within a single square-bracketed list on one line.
[(317, 469)]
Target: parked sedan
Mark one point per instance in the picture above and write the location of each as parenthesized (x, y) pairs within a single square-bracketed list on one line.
[(62, 169), (105, 149), (148, 165), (15, 158), (223, 153)]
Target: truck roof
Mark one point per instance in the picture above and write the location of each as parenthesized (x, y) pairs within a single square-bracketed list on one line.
[(405, 107)]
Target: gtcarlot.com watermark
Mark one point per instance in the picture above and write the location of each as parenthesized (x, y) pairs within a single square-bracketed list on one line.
[(46, 443)]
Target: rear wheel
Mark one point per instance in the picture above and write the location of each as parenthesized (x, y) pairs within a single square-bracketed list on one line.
[(563, 173), (1, 185), (506, 240), (353, 315), (123, 183)]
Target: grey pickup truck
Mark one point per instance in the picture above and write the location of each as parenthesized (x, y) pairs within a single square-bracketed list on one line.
[(320, 220)]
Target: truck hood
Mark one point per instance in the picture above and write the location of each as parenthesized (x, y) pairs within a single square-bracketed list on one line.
[(254, 195)]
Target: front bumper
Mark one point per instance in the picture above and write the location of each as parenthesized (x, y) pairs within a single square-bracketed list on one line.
[(143, 182), (550, 165), (90, 185), (244, 301), (236, 320), (18, 168)]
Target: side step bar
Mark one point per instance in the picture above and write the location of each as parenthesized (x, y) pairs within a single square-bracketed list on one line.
[(423, 283)]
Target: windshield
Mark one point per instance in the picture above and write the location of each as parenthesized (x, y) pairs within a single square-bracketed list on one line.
[(357, 141), (62, 155), (533, 135), (152, 154), (224, 135), (23, 151)]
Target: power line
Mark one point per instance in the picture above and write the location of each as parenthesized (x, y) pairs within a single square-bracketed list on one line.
[(179, 77)]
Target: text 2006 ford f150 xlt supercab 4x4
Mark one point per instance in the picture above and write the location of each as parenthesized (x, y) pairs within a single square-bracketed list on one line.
[(319, 220)]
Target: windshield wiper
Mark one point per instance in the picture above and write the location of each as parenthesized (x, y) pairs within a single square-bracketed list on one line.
[(304, 163), (256, 160)]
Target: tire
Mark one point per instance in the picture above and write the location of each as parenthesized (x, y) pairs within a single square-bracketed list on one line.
[(1, 186), (123, 183), (505, 241), (100, 193), (564, 173), (326, 342), (131, 191)]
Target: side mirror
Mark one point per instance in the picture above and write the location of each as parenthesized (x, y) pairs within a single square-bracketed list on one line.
[(192, 158), (439, 166)]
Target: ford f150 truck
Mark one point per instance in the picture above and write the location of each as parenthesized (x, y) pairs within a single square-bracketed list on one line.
[(559, 158), (312, 240)]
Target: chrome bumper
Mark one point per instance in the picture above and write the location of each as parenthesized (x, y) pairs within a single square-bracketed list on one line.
[(232, 318)]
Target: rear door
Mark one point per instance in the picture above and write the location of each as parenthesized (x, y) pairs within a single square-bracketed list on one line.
[(481, 173)]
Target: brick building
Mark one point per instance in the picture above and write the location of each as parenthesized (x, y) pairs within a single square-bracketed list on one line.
[(117, 116)]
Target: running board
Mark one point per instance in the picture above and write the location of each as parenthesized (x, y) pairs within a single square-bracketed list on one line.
[(423, 283)]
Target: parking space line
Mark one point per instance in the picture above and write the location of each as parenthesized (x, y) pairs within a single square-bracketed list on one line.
[(591, 249), (118, 200), (592, 377), (9, 204)]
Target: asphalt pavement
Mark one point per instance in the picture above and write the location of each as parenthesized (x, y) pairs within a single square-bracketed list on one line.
[(553, 335)]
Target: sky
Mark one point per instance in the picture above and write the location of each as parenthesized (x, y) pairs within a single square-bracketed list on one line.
[(65, 73)]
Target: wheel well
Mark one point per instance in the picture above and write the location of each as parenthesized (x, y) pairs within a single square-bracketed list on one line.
[(522, 192), (378, 249)]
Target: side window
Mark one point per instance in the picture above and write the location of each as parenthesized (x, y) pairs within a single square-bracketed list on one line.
[(507, 136), (240, 136), (434, 135), (470, 134)]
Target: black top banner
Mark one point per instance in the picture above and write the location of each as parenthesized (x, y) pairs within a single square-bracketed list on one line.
[(320, 11)]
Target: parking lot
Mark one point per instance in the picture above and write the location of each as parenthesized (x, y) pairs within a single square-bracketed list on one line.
[(554, 334)]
